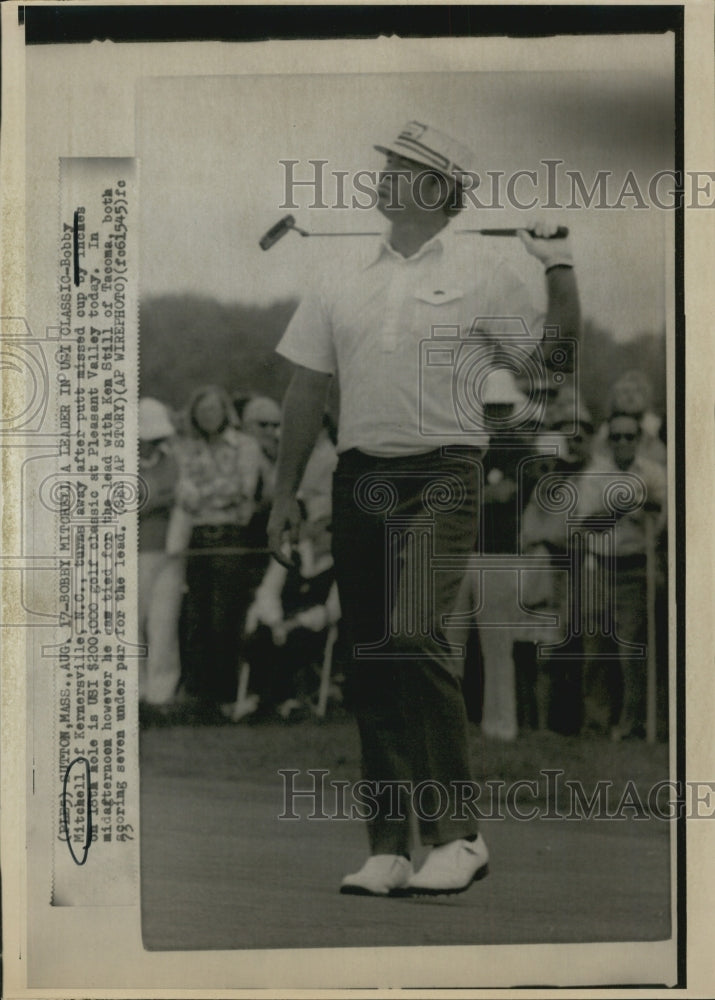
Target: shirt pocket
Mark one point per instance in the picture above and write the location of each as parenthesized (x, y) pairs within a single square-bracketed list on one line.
[(440, 311)]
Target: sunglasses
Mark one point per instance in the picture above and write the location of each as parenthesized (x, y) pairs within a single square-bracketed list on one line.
[(268, 423), (622, 437)]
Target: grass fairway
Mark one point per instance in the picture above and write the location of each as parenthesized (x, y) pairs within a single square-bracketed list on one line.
[(220, 870)]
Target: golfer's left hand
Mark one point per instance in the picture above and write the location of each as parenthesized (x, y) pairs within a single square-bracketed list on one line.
[(314, 619), (284, 529), (540, 245)]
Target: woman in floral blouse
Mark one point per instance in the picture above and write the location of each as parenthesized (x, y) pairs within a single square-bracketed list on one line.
[(219, 469)]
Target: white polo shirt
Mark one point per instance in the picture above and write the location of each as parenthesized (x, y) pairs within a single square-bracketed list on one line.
[(412, 339)]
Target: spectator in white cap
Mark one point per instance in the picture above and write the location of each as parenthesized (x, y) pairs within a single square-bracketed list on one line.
[(375, 327), (161, 577)]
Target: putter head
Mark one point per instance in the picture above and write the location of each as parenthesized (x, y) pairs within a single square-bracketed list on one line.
[(277, 232)]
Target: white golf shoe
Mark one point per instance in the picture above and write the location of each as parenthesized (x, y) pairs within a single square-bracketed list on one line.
[(381, 875), (450, 868)]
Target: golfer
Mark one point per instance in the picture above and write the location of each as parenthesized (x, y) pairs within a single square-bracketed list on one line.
[(396, 332)]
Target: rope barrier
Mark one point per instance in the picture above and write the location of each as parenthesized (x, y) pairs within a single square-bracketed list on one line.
[(223, 550)]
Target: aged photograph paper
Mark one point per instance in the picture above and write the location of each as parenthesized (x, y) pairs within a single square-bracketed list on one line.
[(346, 407)]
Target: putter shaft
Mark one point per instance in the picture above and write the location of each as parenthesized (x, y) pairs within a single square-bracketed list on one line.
[(560, 234)]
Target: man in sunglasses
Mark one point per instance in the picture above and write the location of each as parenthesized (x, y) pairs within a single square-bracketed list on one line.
[(619, 704), (261, 419)]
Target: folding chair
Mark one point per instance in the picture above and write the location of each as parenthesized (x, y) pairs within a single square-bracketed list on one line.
[(326, 672)]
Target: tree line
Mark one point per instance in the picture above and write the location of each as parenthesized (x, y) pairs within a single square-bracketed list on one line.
[(191, 340)]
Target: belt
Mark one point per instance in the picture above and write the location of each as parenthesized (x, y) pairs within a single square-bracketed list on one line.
[(354, 460)]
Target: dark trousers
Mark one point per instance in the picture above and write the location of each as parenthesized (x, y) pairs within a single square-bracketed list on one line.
[(219, 591), (627, 708), (402, 530), (287, 671)]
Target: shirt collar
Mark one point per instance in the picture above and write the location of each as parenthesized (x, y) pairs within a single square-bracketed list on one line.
[(441, 242)]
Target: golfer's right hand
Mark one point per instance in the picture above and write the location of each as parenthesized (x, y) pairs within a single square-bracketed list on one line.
[(283, 529)]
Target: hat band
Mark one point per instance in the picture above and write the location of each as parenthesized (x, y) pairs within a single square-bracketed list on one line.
[(441, 162)]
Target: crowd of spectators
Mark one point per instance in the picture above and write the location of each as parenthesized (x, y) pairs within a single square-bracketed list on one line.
[(563, 601), (592, 523), (229, 633)]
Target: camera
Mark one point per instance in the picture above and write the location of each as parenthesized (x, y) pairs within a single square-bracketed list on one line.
[(497, 377), (26, 376)]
